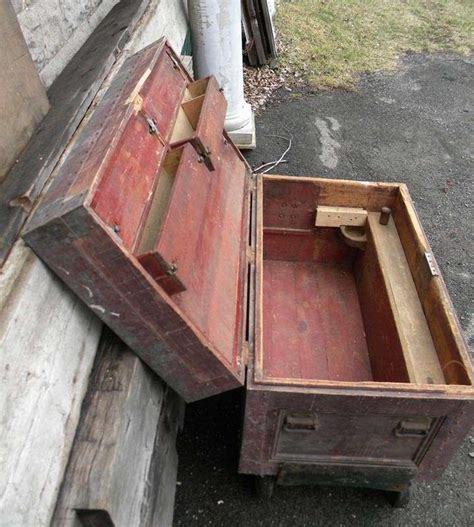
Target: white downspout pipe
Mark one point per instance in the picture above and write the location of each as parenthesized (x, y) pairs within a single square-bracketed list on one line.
[(217, 50)]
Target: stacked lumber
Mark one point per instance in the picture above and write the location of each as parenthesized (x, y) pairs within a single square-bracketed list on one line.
[(259, 32)]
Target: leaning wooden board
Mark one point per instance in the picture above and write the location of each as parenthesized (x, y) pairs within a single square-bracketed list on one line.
[(124, 456), (353, 356)]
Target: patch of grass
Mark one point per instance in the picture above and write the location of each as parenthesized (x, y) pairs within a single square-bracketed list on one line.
[(330, 41)]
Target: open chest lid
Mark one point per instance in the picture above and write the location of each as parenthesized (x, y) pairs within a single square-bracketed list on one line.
[(147, 220)]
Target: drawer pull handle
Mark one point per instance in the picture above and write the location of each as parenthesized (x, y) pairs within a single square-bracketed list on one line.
[(299, 423), (413, 427)]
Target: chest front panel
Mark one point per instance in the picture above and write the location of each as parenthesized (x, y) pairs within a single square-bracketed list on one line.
[(357, 434), (319, 437)]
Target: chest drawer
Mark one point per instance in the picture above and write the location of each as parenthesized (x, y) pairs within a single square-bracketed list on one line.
[(306, 437)]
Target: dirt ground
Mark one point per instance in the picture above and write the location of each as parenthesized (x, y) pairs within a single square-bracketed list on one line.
[(416, 127)]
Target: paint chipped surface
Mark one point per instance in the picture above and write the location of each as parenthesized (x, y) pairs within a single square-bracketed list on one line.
[(88, 289), (96, 307)]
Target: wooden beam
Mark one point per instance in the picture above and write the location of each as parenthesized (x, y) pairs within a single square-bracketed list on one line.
[(122, 469), (48, 341), (338, 216), (417, 343)]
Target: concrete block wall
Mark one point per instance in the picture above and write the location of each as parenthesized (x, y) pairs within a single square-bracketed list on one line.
[(164, 18), (54, 30)]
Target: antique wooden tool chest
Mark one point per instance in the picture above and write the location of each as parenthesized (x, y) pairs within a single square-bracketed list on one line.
[(322, 297)]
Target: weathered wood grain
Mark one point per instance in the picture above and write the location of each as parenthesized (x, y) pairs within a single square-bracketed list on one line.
[(48, 340), (124, 454), (417, 344), (452, 419), (70, 97), (23, 100), (437, 306)]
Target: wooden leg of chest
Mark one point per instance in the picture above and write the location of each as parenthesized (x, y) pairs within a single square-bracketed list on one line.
[(400, 499), (264, 486)]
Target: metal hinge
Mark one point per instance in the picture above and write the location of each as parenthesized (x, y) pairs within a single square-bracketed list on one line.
[(432, 265), (152, 128)]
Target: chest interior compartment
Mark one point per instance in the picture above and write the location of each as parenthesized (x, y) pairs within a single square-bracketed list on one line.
[(348, 290)]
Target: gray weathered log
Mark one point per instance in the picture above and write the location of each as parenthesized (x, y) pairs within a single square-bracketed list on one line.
[(122, 469), (48, 340)]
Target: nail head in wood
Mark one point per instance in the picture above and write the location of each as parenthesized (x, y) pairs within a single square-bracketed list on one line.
[(385, 215)]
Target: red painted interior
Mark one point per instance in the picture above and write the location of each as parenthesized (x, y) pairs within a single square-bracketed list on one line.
[(162, 93), (129, 173), (203, 234), (209, 247), (128, 179), (312, 323)]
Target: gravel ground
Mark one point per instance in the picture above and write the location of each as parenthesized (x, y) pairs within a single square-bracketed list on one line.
[(415, 127)]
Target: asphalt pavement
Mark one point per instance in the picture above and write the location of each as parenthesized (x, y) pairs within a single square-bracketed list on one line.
[(414, 126)]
